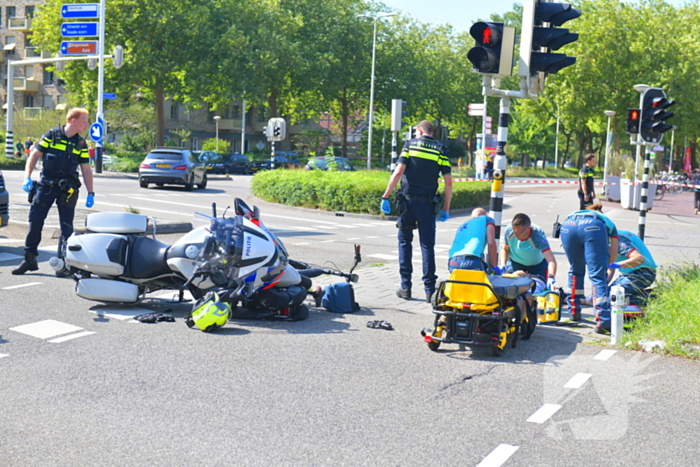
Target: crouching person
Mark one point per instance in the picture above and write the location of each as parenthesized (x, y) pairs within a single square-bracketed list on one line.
[(636, 266)]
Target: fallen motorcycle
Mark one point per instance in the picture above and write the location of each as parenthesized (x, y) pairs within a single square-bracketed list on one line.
[(238, 257)]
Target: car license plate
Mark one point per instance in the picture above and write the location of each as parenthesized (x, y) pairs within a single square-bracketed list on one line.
[(163, 166), (209, 168)]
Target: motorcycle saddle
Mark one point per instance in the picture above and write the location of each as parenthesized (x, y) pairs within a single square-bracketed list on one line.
[(147, 258)]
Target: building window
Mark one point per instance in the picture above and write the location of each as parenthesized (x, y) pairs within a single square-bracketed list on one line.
[(10, 12), (195, 144), (29, 11), (48, 77), (29, 71), (174, 107), (48, 102), (28, 100)]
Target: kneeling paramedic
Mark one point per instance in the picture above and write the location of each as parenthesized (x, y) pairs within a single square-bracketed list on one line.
[(62, 150), (590, 239), (637, 268), (421, 163), (471, 240)]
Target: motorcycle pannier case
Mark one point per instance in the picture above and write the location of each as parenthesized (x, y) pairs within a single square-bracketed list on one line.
[(116, 222), (105, 290)]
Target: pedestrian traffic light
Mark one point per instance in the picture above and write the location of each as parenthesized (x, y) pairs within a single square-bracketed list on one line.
[(276, 129), (493, 52), (398, 112), (541, 35), (632, 121), (653, 115)]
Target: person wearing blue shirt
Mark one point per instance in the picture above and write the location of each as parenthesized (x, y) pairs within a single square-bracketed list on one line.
[(526, 248), (586, 193), (636, 265), (471, 239), (590, 239)]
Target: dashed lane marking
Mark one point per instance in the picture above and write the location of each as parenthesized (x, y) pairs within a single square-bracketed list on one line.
[(29, 284), (605, 355), (578, 380), (3, 355), (46, 329), (9, 257), (326, 227), (10, 240), (544, 413), (498, 456), (70, 337), (302, 243)]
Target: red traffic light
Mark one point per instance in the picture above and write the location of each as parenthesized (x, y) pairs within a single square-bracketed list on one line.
[(633, 114)]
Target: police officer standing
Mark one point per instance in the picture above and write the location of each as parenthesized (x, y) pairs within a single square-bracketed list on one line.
[(586, 194), (62, 150), (420, 164)]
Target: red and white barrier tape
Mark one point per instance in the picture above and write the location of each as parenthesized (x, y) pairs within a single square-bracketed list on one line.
[(569, 182)]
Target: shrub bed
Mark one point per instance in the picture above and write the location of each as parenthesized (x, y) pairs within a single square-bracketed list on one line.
[(357, 192)]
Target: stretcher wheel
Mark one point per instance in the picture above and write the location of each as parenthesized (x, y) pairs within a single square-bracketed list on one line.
[(498, 349), (434, 345)]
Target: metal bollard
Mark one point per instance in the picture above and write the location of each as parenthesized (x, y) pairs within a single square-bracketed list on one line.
[(618, 302)]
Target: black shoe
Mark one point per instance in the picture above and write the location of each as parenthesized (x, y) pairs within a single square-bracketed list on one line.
[(403, 293), (63, 273), (318, 296), (575, 316), (29, 264), (429, 297), (602, 330)]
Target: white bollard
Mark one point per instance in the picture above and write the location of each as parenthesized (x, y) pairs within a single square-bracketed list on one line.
[(618, 302)]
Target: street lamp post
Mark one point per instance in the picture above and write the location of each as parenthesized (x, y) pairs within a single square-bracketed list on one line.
[(216, 120), (371, 90), (609, 114), (670, 162)]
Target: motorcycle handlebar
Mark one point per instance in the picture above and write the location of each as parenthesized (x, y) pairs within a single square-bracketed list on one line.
[(306, 270)]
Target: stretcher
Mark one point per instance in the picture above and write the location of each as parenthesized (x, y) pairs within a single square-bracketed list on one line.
[(474, 309)]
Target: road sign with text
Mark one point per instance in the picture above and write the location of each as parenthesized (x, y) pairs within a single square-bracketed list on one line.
[(79, 48), (79, 30), (80, 10)]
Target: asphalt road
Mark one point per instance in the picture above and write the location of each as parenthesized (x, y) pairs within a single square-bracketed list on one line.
[(84, 384)]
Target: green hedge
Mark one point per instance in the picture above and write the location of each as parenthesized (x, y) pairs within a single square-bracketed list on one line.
[(357, 192), (12, 164)]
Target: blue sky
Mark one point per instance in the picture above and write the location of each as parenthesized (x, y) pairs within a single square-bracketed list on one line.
[(461, 13)]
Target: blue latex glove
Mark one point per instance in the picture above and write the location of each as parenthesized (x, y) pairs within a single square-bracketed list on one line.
[(614, 266), (444, 215), (28, 184), (497, 270), (386, 206), (551, 283), (90, 201)]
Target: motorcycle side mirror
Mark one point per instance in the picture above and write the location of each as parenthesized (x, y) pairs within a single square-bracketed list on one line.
[(218, 278), (256, 213)]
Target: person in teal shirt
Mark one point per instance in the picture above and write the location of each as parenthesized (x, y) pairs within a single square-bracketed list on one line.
[(526, 248), (471, 239), (636, 265)]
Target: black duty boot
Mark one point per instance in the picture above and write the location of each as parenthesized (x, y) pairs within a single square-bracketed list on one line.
[(403, 293), (29, 264)]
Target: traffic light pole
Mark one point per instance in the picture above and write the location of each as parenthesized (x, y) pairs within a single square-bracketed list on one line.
[(645, 193), (394, 149), (499, 166), (272, 156)]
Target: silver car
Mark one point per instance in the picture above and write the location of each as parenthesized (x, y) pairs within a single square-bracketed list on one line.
[(172, 166)]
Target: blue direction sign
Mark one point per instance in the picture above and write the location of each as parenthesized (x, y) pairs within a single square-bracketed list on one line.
[(109, 95), (79, 29), (97, 132), (80, 10)]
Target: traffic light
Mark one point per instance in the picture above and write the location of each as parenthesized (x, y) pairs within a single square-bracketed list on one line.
[(118, 56), (411, 133), (276, 129), (653, 115), (398, 112), (493, 52), (632, 121), (541, 35)]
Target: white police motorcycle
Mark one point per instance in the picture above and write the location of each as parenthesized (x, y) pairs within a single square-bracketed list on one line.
[(237, 256)]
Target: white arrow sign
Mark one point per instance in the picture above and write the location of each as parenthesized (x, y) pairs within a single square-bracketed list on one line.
[(476, 106), (97, 132)]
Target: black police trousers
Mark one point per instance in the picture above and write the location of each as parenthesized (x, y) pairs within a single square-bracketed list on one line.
[(46, 196)]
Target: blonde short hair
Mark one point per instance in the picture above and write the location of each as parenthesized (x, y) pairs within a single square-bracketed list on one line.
[(75, 112)]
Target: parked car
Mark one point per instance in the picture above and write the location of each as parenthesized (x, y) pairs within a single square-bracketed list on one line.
[(237, 164), (172, 166), (4, 203), (204, 156), (281, 162), (340, 163)]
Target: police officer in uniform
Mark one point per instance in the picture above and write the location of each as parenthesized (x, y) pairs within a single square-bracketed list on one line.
[(420, 164), (586, 194), (62, 150)]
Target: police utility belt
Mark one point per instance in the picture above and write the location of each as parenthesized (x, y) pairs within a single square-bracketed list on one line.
[(402, 198)]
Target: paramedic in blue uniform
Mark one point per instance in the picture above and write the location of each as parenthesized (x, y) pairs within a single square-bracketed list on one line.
[(636, 266), (62, 151), (421, 163), (586, 194), (526, 248), (590, 239), (471, 240)]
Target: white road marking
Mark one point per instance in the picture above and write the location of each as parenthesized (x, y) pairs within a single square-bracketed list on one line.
[(29, 284), (498, 456), (71, 337), (327, 241), (325, 227), (122, 314), (302, 243), (605, 355), (577, 380), (10, 240), (3, 355), (372, 236), (46, 329), (381, 256), (352, 239), (9, 257), (544, 413)]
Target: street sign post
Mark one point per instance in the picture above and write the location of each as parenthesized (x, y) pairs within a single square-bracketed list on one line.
[(79, 29), (80, 11), (477, 110), (79, 47)]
